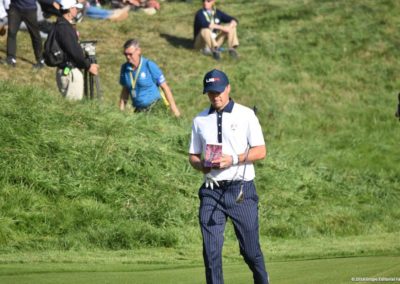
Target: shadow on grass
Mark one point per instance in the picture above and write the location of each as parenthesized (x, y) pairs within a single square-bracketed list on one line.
[(2, 50), (178, 41)]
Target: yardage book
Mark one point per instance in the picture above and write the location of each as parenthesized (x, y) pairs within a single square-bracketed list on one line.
[(213, 152)]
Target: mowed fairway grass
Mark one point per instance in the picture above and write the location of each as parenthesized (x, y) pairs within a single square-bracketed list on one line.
[(338, 270)]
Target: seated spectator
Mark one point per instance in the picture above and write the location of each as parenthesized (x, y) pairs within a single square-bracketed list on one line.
[(150, 7), (96, 12), (211, 28), (143, 81), (92, 9)]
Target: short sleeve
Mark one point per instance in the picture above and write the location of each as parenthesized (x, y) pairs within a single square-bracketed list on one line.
[(255, 135), (195, 146), (122, 77), (156, 73)]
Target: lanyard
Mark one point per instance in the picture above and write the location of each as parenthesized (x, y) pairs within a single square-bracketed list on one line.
[(208, 18), (133, 81)]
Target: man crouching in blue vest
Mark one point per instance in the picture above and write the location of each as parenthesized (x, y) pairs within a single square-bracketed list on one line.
[(143, 81), (226, 139)]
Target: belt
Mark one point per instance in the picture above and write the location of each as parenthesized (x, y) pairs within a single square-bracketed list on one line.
[(226, 183)]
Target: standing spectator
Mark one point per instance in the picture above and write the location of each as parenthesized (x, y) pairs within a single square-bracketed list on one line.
[(23, 10), (44, 24), (228, 190), (69, 78), (212, 27), (4, 4), (143, 81)]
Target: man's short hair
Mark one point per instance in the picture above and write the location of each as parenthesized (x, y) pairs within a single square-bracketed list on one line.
[(131, 42)]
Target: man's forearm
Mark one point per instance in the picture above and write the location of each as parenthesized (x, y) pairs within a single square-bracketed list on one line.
[(170, 99), (197, 163), (123, 99), (221, 28), (122, 103), (255, 153)]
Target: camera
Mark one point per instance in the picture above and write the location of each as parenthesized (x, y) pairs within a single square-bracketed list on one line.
[(89, 47), (91, 81)]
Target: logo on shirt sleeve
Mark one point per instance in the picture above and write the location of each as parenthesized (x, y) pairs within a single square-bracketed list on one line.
[(161, 79)]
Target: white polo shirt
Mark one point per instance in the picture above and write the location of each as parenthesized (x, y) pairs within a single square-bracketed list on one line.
[(235, 127)]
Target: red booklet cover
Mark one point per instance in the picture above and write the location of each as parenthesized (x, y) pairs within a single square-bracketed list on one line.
[(213, 152)]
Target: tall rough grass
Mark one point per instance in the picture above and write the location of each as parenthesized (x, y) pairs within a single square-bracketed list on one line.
[(84, 175)]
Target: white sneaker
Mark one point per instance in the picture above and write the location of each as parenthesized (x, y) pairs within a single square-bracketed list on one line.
[(206, 51)]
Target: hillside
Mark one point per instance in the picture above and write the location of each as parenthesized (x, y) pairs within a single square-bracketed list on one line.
[(323, 75)]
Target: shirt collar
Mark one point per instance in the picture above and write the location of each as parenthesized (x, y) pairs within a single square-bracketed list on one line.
[(130, 67), (227, 108)]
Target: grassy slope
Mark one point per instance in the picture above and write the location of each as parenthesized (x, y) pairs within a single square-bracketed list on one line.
[(323, 76)]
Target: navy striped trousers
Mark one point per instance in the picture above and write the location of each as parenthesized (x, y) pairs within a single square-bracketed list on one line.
[(215, 207)]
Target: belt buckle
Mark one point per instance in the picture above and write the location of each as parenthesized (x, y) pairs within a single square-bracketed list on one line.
[(225, 183)]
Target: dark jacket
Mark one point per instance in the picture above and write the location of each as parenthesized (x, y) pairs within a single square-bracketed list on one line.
[(24, 5), (201, 21), (48, 8), (68, 40)]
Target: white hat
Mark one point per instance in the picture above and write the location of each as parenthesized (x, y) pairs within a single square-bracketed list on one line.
[(68, 4)]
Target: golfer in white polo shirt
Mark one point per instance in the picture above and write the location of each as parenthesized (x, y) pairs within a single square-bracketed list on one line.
[(226, 139)]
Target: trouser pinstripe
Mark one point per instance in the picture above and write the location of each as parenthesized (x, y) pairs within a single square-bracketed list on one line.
[(215, 207)]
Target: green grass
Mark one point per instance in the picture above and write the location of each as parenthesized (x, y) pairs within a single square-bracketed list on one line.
[(309, 271), (274, 250), (288, 261), (323, 74)]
